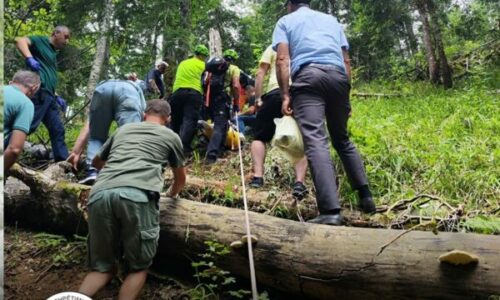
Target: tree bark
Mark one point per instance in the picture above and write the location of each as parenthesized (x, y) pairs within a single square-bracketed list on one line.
[(427, 39), (445, 70), (185, 11), (307, 261), (101, 49), (214, 42)]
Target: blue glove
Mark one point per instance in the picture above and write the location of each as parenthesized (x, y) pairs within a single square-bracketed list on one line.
[(62, 103), (236, 108), (33, 64)]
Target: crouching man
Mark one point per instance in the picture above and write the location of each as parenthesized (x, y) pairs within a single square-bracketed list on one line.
[(123, 203)]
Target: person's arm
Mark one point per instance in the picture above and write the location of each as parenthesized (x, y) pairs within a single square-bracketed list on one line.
[(250, 111), (235, 88), (179, 181), (347, 62), (14, 149), (23, 45), (81, 142), (259, 82), (283, 75)]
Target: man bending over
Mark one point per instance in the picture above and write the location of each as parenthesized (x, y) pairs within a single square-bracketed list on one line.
[(123, 203)]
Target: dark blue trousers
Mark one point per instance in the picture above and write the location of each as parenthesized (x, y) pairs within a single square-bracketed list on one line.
[(218, 111), (47, 111)]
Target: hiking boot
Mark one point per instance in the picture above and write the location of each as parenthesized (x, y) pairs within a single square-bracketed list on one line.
[(257, 182), (90, 179), (210, 160), (299, 190), (367, 205), (335, 219)]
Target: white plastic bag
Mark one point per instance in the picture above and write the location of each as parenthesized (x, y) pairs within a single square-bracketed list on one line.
[(288, 138)]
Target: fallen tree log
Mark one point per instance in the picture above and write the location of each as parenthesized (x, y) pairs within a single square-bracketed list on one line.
[(265, 202), (305, 260)]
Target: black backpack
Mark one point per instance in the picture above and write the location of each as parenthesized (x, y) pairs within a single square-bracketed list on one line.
[(213, 78)]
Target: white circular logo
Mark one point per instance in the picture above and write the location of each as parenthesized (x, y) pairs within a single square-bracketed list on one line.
[(69, 296)]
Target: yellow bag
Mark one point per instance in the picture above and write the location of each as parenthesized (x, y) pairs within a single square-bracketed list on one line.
[(288, 138), (232, 137)]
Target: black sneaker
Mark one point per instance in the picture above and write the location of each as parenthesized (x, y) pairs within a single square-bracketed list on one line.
[(90, 179), (257, 182), (299, 190)]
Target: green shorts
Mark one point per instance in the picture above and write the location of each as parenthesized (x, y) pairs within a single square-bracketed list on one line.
[(123, 224)]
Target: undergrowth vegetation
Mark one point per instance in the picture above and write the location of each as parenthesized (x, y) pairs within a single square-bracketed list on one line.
[(432, 141)]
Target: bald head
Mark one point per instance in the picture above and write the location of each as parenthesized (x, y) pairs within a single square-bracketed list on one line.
[(60, 36), (61, 28)]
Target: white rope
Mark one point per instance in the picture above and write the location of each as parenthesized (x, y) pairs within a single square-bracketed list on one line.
[(255, 294)]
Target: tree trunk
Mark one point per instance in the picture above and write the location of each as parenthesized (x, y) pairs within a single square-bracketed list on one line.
[(410, 36), (185, 11), (445, 69), (427, 39), (101, 49), (305, 260), (214, 42)]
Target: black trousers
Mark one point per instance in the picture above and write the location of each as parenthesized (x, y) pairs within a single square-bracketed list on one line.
[(186, 108), (218, 111), (319, 93)]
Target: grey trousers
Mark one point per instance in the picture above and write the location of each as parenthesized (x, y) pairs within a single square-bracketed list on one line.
[(318, 93)]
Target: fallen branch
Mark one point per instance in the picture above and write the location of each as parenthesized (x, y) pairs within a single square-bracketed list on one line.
[(378, 95)]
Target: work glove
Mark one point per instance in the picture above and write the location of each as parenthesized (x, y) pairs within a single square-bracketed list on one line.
[(33, 64), (62, 103), (236, 108)]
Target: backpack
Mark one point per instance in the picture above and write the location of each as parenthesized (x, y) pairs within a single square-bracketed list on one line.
[(213, 78)]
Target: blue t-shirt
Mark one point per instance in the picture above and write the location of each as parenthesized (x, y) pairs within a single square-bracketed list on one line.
[(312, 36), (18, 110)]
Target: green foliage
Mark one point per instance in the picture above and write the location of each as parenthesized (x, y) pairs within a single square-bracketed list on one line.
[(429, 141), (68, 251), (483, 224), (213, 281)]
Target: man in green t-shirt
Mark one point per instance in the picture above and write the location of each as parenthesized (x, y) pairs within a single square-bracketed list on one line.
[(40, 53), (123, 204), (18, 114), (187, 97), (219, 107)]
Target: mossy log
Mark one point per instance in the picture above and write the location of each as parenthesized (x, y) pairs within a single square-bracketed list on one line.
[(307, 261)]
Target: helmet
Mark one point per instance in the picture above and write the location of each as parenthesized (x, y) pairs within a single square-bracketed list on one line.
[(216, 65), (201, 50), (230, 54)]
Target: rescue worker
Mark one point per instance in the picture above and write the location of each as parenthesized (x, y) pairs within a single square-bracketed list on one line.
[(219, 108), (313, 45), (40, 53), (187, 98)]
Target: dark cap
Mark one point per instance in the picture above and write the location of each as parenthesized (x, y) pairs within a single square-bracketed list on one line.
[(298, 2)]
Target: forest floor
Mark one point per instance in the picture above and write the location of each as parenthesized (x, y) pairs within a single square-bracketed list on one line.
[(39, 265)]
